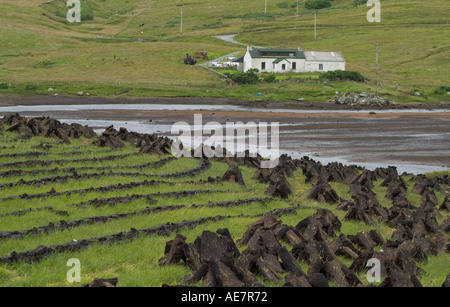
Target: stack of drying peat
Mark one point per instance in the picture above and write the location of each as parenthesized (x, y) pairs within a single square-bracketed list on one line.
[(45, 126), (277, 177), (102, 283), (149, 143), (364, 204), (318, 176), (234, 174), (316, 242), (109, 138), (52, 128)]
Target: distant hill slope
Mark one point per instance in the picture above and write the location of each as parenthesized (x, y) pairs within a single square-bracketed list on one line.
[(40, 47)]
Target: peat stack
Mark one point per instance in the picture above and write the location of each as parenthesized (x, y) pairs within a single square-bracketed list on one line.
[(446, 283), (316, 241), (248, 159), (148, 143), (102, 283), (211, 257), (338, 172), (47, 127), (364, 204), (319, 175), (279, 186), (161, 146), (135, 139), (76, 131), (109, 139), (11, 119), (322, 191), (439, 182), (445, 204), (234, 174), (216, 261)]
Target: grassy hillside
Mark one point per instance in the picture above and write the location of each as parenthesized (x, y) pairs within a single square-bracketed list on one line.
[(99, 55)]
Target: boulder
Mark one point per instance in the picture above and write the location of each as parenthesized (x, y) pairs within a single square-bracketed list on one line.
[(361, 99)]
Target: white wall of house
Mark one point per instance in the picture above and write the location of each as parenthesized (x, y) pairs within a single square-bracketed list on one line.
[(286, 65), (248, 62), (312, 66), (270, 67)]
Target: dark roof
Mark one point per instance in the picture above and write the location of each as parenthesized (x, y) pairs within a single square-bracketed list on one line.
[(240, 60), (279, 59), (276, 53)]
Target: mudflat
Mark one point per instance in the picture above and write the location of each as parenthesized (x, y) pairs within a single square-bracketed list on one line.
[(407, 134)]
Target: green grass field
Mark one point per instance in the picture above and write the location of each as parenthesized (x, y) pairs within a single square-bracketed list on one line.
[(135, 262), (41, 50)]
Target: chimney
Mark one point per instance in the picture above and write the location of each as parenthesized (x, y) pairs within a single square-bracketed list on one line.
[(300, 48), (249, 48)]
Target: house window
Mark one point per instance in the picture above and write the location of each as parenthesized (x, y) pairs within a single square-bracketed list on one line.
[(320, 66), (294, 65), (263, 66), (283, 67)]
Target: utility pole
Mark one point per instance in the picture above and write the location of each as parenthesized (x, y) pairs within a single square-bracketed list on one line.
[(378, 51), (376, 58), (181, 22), (315, 25), (265, 7)]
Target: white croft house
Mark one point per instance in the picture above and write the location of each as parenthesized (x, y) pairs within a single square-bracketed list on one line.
[(297, 60)]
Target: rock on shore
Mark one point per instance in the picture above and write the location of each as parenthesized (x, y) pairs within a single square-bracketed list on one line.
[(361, 99)]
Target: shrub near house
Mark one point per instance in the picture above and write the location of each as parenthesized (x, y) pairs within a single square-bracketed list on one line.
[(249, 77), (317, 4), (340, 75)]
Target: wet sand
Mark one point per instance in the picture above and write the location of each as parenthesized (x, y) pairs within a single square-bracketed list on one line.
[(367, 137), (30, 100)]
